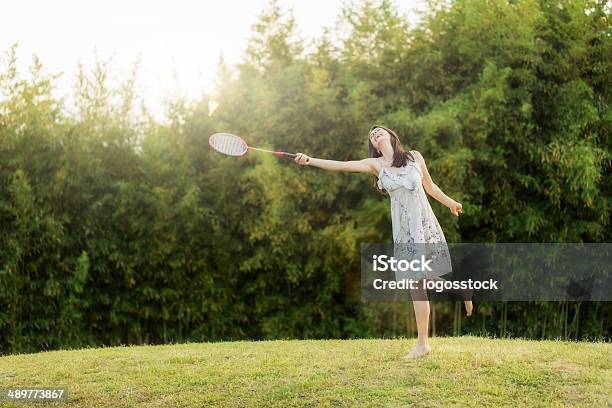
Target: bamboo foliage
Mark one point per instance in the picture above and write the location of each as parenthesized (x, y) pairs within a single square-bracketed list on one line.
[(117, 229)]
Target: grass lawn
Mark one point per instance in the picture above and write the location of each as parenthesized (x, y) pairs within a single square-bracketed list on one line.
[(464, 371)]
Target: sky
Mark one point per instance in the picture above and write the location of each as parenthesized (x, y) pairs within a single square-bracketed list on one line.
[(178, 42)]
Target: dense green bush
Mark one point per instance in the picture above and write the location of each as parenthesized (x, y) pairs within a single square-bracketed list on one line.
[(119, 229)]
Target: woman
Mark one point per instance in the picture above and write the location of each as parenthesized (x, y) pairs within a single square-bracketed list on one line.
[(403, 175)]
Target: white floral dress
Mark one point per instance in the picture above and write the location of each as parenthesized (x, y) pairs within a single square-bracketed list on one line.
[(416, 230)]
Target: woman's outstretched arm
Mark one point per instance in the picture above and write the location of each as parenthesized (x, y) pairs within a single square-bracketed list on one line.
[(368, 165), (433, 190)]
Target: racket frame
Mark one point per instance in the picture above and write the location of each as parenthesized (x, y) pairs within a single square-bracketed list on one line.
[(247, 147)]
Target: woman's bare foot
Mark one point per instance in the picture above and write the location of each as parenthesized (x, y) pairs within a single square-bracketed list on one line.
[(417, 351), (468, 307)]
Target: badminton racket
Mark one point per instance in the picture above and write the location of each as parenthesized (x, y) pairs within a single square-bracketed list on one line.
[(232, 145)]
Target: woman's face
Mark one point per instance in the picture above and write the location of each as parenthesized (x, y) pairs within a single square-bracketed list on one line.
[(378, 136)]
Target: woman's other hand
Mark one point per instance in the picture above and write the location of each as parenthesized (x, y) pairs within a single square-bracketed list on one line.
[(456, 208)]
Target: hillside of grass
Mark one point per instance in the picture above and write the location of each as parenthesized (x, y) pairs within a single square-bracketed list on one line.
[(460, 371)]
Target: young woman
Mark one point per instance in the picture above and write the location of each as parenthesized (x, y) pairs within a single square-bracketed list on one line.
[(403, 175)]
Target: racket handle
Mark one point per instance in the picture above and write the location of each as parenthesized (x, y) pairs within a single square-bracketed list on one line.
[(285, 155)]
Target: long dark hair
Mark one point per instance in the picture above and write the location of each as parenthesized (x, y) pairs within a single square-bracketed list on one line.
[(400, 156)]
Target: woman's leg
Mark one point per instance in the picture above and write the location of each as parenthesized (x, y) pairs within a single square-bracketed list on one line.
[(421, 313), (465, 294), (468, 307)]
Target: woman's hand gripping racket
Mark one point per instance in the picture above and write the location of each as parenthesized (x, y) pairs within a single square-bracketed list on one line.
[(232, 145)]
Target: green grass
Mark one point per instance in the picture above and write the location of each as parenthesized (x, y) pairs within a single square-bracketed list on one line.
[(464, 371)]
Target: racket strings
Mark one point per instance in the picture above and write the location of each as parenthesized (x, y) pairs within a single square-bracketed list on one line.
[(228, 144)]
